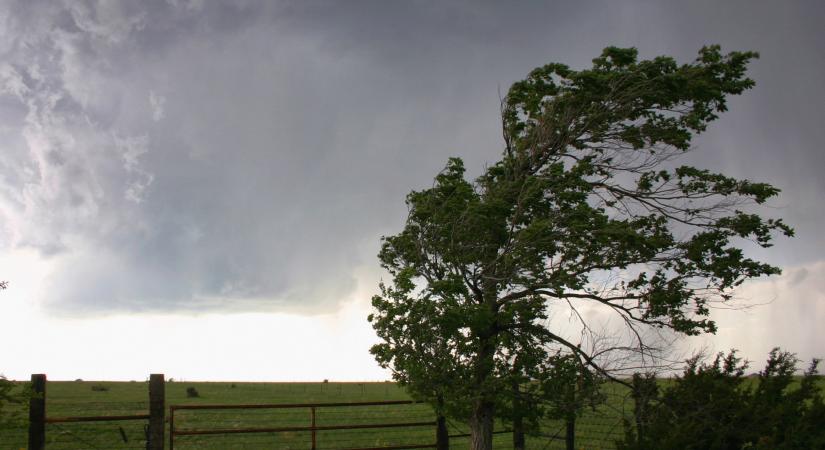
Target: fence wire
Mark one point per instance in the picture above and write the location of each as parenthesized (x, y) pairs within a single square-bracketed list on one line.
[(595, 429), (96, 435), (204, 419), (598, 429)]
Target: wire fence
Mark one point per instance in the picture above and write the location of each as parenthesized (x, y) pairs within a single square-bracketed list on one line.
[(595, 428), (97, 435), (92, 435), (319, 426), (598, 428)]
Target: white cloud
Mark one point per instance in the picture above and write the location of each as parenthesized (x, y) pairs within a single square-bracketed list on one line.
[(785, 311), (188, 5), (131, 149), (11, 82), (65, 163), (107, 22), (129, 347)]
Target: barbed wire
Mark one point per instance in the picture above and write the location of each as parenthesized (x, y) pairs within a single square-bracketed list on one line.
[(96, 436), (597, 428)]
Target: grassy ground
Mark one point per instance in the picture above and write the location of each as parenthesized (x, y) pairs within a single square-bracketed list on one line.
[(597, 430)]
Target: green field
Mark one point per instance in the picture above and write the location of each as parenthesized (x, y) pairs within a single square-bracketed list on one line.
[(597, 430)]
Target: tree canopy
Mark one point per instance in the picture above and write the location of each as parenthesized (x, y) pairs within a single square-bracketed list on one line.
[(585, 207)]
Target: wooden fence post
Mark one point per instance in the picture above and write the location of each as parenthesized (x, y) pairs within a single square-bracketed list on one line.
[(442, 437), (570, 434), (312, 423), (157, 406), (37, 413)]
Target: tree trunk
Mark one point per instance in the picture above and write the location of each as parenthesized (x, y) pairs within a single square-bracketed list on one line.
[(518, 433), (481, 422), (442, 436), (640, 430), (481, 426), (570, 435), (518, 421), (570, 420)]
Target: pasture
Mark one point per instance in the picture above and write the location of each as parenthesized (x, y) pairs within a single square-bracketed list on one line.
[(596, 430)]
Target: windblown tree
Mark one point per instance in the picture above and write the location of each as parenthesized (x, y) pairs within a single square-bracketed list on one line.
[(586, 209)]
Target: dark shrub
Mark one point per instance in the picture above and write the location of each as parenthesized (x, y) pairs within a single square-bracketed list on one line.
[(191, 392), (713, 406)]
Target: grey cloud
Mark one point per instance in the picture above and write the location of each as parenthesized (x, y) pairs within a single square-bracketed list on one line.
[(157, 102), (248, 155)]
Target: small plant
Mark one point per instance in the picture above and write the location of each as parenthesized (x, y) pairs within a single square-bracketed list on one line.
[(233, 386), (191, 392), (99, 388), (11, 396)]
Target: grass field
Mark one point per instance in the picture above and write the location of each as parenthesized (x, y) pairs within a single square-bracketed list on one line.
[(597, 430)]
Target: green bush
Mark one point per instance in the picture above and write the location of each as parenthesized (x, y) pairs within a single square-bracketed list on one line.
[(11, 399), (714, 406)]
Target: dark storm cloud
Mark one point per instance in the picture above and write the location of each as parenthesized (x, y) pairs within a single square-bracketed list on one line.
[(188, 155)]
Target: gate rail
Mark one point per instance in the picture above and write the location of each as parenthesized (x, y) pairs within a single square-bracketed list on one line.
[(313, 428)]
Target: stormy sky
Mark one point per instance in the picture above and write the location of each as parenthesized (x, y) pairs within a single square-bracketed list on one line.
[(198, 164)]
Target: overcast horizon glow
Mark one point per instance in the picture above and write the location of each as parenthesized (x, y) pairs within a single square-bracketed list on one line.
[(199, 188)]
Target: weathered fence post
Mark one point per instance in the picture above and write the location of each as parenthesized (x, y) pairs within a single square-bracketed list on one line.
[(312, 421), (644, 391), (37, 413), (157, 400), (171, 428), (442, 437)]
